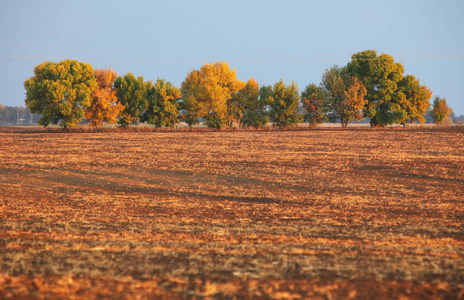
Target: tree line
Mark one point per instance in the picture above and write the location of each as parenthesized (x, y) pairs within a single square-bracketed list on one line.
[(17, 115), (369, 86)]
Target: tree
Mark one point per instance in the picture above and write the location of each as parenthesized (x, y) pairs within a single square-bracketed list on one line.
[(352, 104), (105, 106), (241, 101), (60, 91), (414, 99), (314, 101), (256, 108), (380, 76), (284, 103), (4, 114), (333, 85), (244, 106), (205, 94), (346, 95), (163, 107), (456, 119), (440, 110), (132, 94), (16, 115)]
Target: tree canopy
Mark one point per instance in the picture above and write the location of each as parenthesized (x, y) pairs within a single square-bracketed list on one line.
[(132, 93), (162, 109), (345, 95), (314, 100), (105, 106), (380, 76), (205, 93), (369, 86), (440, 110), (60, 92), (283, 103), (414, 99)]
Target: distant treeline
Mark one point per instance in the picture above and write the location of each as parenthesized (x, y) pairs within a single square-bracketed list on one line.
[(17, 115), (370, 86)]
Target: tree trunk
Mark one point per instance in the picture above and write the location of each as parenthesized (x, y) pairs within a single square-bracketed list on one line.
[(344, 122)]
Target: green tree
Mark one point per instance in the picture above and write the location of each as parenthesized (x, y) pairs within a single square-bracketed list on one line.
[(346, 95), (256, 108), (330, 75), (440, 110), (333, 84), (4, 114), (205, 94), (132, 93), (245, 106), (163, 108), (241, 101), (314, 100), (60, 92), (380, 76), (414, 99), (284, 103)]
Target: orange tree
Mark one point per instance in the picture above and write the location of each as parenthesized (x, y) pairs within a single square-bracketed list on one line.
[(104, 106), (354, 100), (440, 110), (205, 94), (314, 101), (346, 95)]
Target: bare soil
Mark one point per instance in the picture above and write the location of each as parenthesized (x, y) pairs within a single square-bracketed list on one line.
[(317, 214)]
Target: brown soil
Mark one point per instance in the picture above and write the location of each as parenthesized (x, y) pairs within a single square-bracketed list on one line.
[(318, 214)]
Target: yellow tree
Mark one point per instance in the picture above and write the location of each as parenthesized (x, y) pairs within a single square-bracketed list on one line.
[(414, 98), (205, 94), (105, 106)]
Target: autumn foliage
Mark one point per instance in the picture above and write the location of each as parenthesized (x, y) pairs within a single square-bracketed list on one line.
[(314, 101), (60, 92), (354, 101), (163, 107), (206, 92), (369, 86), (105, 106), (440, 110)]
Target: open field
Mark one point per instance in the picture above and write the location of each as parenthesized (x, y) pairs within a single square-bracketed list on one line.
[(319, 214)]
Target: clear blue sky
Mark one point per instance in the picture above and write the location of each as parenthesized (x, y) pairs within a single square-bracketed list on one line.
[(267, 40)]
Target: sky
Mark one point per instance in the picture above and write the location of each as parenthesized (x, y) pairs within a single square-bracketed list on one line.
[(293, 40)]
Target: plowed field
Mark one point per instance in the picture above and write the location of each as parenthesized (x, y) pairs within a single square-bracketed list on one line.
[(319, 214)]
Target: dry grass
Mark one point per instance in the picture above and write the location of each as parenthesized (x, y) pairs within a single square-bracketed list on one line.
[(323, 214)]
